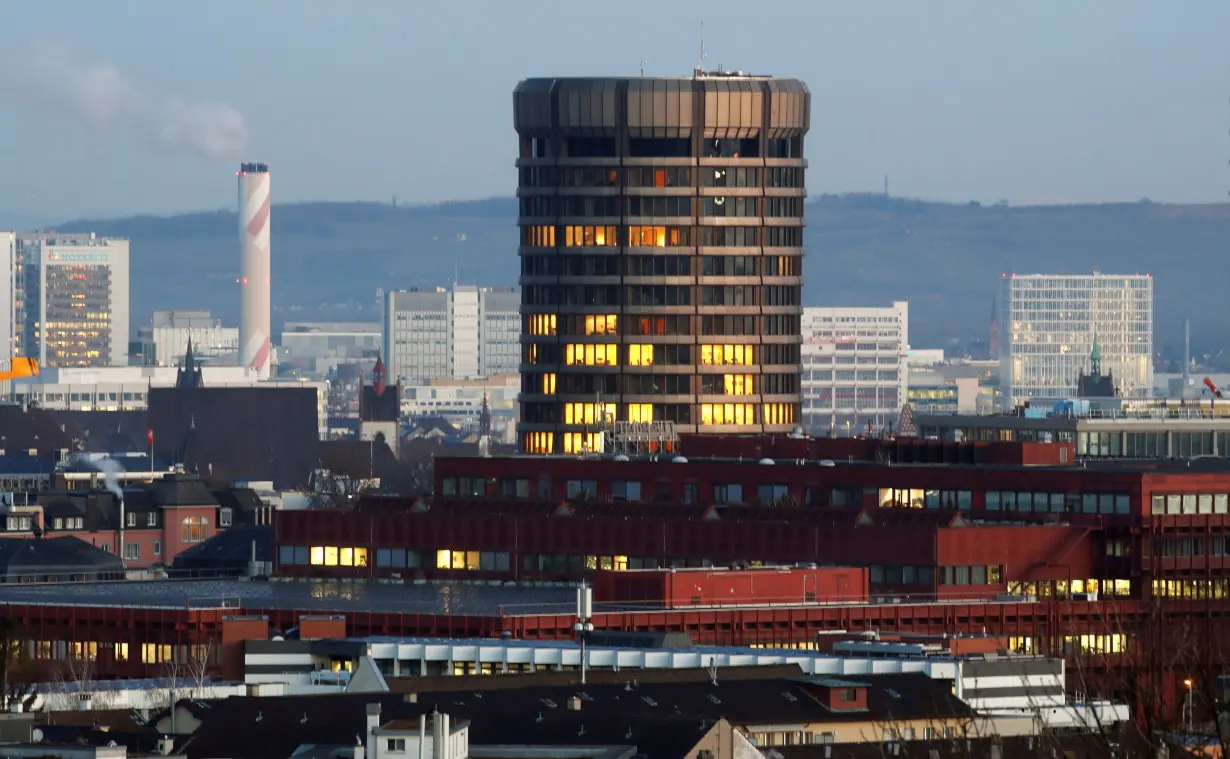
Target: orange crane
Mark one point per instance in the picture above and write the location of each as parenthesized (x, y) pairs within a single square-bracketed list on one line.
[(20, 366), (1207, 383)]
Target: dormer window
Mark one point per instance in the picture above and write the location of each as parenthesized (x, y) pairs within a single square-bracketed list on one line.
[(151, 519), (132, 519), (224, 517), (17, 523), (59, 523)]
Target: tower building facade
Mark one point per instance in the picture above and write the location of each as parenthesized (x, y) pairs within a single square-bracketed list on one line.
[(661, 225)]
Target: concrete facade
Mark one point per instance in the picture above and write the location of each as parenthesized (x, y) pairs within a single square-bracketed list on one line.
[(465, 332), (855, 369), (661, 227), (75, 310)]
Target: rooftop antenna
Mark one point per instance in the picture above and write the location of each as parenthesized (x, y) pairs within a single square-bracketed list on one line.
[(642, 67), (700, 67)]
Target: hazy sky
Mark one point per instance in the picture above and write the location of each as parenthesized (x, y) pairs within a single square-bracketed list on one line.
[(110, 108)]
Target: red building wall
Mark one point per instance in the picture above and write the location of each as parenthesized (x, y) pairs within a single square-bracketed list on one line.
[(703, 587)]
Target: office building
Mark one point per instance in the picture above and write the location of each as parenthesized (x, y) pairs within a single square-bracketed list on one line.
[(10, 296), (316, 348), (661, 253), (75, 300), (1050, 323), (165, 341), (855, 368), (464, 333)]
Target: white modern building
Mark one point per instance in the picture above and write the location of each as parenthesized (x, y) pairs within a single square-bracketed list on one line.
[(126, 388), (1048, 326), (855, 369), (75, 310), (463, 333), (316, 347), (165, 340), (10, 297), (460, 403)]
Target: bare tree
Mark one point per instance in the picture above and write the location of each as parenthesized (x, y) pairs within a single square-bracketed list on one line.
[(75, 682), (186, 673), (17, 677)]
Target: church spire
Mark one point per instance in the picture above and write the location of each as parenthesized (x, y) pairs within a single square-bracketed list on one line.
[(1095, 358), (379, 376)]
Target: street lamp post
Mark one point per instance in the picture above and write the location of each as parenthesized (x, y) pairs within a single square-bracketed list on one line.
[(583, 626), (1187, 703)]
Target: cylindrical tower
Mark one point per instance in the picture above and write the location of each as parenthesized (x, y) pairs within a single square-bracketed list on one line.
[(661, 248), (254, 198)]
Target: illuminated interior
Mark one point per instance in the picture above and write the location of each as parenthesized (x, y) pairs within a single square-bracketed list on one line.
[(739, 384), (542, 324), (531, 353), (548, 384), (601, 324), (588, 413), (726, 355), (539, 442), (338, 556), (640, 355), (603, 237), (591, 354), (581, 442), (779, 413), (540, 235), (655, 237), (640, 412), (727, 413)]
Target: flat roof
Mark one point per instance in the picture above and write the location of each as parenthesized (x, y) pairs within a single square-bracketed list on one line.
[(446, 598)]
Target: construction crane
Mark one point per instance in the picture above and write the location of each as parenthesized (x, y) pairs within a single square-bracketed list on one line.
[(1212, 388), (20, 366)]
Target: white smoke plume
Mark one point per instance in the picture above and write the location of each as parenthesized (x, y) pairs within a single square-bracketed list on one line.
[(110, 468), (52, 77)]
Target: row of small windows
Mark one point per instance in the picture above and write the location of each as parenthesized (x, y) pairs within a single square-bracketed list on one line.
[(1204, 503), (666, 325), (661, 295), (592, 354), (660, 147), (678, 413), (659, 266), (660, 236), (670, 176), (590, 206), (549, 383)]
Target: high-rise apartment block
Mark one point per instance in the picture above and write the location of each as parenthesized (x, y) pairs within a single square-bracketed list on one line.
[(74, 309), (1049, 324), (855, 369), (661, 227), (463, 333), (11, 296)]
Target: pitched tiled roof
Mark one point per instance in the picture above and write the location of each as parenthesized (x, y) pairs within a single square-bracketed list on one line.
[(239, 433), (639, 713), (229, 549), (24, 555)]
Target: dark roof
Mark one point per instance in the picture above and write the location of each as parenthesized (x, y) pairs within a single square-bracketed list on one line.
[(640, 714), (229, 549), (181, 490), (445, 598), (239, 499), (22, 463), (544, 678), (359, 458), (239, 433), (106, 431), (55, 554)]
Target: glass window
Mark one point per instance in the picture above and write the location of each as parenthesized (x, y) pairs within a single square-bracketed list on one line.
[(1205, 504), (1123, 504)]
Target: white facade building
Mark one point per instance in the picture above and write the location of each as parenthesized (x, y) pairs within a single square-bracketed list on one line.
[(126, 388), (1048, 324), (316, 347), (166, 339), (10, 297), (75, 310), (855, 368), (463, 333)]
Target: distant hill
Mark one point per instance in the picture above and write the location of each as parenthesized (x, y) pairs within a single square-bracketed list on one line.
[(945, 259)]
